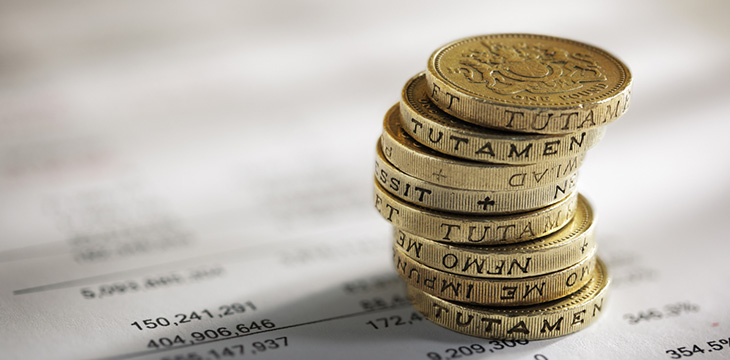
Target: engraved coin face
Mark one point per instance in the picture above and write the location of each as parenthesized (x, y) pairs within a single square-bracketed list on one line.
[(528, 83), (530, 70)]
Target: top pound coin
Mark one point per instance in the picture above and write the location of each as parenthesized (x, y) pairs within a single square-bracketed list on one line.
[(528, 83)]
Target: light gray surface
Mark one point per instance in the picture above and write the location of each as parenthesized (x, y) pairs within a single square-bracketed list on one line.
[(239, 136)]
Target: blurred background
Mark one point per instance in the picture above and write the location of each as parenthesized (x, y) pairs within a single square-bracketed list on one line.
[(203, 126), (204, 98), (234, 104)]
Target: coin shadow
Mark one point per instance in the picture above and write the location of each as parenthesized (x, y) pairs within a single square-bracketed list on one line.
[(394, 327), (334, 322)]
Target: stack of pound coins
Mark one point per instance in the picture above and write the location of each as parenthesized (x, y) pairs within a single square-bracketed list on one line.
[(477, 170)]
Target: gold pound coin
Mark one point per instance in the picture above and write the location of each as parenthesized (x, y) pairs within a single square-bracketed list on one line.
[(494, 291), (429, 125), (474, 230), (476, 202), (542, 321), (424, 163), (551, 253), (528, 83)]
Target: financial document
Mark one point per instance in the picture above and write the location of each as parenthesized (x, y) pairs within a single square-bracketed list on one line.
[(193, 181)]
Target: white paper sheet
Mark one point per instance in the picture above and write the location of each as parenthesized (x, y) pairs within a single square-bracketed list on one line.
[(183, 180)]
